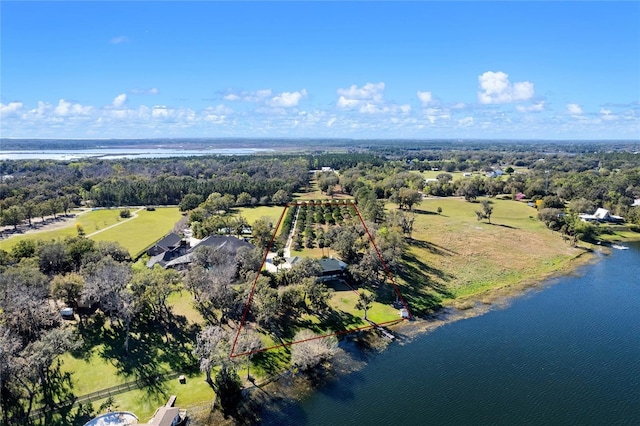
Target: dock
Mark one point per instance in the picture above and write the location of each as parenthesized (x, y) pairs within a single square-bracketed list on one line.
[(382, 330)]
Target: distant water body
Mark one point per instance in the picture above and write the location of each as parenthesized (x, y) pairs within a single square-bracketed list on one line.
[(568, 354), (118, 153)]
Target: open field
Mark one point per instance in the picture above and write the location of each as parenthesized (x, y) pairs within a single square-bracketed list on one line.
[(139, 233), (452, 255), (134, 234), (251, 214)]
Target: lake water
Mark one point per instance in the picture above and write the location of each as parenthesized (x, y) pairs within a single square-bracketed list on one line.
[(568, 353), (117, 153)]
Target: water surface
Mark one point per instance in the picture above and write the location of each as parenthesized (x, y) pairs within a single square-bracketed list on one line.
[(568, 353)]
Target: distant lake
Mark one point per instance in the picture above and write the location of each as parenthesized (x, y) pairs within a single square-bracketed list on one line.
[(117, 153), (566, 354)]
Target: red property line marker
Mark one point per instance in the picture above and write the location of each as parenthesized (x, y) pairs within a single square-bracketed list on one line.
[(264, 259)]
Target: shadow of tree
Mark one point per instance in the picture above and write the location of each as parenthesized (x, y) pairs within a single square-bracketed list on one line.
[(425, 285), (155, 348), (433, 248)]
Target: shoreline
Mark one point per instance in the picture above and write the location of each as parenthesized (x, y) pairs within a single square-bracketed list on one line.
[(355, 351)]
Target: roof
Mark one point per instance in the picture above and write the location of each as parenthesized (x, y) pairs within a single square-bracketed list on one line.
[(180, 257), (601, 213), (218, 241), (169, 241), (332, 265), (164, 416)]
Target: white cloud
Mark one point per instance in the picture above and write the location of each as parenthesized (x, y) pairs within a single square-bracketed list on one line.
[(137, 91), (120, 40), (425, 98), (66, 108), (466, 122), (331, 121), (368, 92), (495, 88), (574, 109), (10, 109), (606, 114), (287, 99), (368, 99), (248, 96), (538, 107), (119, 100)]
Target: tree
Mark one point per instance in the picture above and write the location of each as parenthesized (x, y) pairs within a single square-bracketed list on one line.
[(470, 189), (407, 198), (68, 287), (24, 249), (53, 258), (12, 216), (364, 302), (104, 284), (38, 371), (318, 293), (152, 287), (210, 349), (228, 388), (281, 197), (30, 209), (190, 202), (311, 349), (243, 199), (24, 292), (249, 261), (248, 342), (486, 212), (262, 232), (345, 244)]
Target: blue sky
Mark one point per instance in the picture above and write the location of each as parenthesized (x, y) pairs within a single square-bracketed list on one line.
[(522, 70)]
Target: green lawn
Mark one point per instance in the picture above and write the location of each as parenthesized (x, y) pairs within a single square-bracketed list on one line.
[(452, 255), (91, 221), (144, 403), (251, 214), (139, 233), (181, 303), (135, 234)]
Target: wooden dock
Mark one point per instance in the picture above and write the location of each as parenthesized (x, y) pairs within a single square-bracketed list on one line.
[(382, 330)]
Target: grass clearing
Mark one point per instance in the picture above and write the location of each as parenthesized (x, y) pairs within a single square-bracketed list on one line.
[(452, 255), (144, 403), (252, 214), (139, 233), (135, 234)]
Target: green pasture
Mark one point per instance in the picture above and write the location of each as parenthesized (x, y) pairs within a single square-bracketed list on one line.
[(252, 214), (453, 255), (140, 232), (91, 221), (134, 234)]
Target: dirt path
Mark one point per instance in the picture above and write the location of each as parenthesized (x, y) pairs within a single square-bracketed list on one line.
[(133, 216), (51, 225)]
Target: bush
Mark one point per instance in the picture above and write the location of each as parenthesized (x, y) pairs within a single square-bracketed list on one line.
[(125, 214)]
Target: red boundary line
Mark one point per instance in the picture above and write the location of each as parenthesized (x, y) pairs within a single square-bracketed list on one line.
[(264, 259)]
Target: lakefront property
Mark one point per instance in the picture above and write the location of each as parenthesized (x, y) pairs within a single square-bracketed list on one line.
[(266, 283)]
